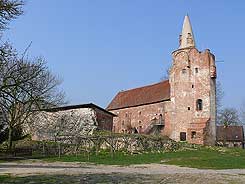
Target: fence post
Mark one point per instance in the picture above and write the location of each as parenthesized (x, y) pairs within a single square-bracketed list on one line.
[(59, 148), (43, 147)]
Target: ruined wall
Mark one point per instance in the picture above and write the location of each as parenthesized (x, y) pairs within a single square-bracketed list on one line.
[(48, 125), (104, 120), (192, 77), (139, 117)]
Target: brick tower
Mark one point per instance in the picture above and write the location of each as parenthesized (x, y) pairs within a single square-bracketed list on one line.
[(192, 110)]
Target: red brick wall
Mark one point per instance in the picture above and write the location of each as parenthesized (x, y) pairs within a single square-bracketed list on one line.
[(105, 120), (186, 88), (180, 113), (138, 117)]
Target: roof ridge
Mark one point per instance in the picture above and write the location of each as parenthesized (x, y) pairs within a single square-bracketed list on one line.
[(149, 94), (143, 86)]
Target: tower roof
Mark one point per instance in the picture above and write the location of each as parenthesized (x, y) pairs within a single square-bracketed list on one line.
[(187, 36)]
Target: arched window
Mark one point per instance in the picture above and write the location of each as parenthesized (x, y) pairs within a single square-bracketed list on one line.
[(199, 104)]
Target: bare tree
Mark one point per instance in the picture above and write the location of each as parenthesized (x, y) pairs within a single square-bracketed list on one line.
[(242, 112), (229, 116), (51, 124), (219, 96), (166, 73), (25, 87), (9, 9)]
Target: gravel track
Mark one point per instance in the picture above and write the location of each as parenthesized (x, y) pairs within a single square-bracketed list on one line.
[(147, 173)]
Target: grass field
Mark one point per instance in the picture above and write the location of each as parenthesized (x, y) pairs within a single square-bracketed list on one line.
[(203, 157)]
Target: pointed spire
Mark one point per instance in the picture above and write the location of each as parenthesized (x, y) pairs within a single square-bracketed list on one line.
[(186, 38)]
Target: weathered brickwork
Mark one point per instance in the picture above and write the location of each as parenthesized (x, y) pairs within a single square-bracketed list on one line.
[(187, 106), (76, 120), (105, 120), (191, 78), (138, 118)]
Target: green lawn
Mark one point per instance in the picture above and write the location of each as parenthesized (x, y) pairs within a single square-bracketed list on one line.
[(207, 158), (120, 158)]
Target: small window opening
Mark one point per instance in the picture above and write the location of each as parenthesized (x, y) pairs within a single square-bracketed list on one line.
[(183, 71), (192, 86), (189, 108), (140, 122), (196, 70), (182, 136), (123, 122), (193, 134), (199, 105)]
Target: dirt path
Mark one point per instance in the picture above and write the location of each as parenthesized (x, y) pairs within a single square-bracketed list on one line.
[(149, 173)]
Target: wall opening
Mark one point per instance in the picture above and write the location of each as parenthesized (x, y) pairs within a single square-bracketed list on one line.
[(199, 105), (182, 136), (196, 70), (193, 134)]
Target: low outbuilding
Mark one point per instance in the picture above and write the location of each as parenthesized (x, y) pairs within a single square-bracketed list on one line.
[(230, 136)]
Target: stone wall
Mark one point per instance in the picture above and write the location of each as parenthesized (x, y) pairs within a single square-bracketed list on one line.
[(48, 125)]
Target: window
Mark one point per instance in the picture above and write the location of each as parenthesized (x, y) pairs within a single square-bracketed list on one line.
[(189, 108), (183, 71), (161, 120), (196, 70), (192, 86), (123, 122), (199, 105), (189, 39), (182, 136), (193, 134)]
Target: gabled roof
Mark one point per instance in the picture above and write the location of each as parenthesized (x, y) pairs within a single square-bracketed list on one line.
[(229, 133), (69, 107), (141, 96)]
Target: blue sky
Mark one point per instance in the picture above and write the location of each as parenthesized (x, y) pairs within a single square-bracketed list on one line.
[(99, 47)]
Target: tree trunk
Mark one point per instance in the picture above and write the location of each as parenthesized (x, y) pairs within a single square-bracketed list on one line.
[(10, 138)]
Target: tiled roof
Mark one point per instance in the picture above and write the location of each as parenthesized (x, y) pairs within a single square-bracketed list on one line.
[(141, 96), (230, 133)]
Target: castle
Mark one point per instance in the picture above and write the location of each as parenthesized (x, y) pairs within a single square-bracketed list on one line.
[(183, 107)]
